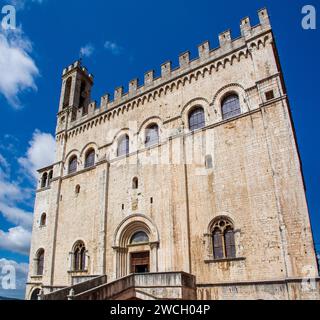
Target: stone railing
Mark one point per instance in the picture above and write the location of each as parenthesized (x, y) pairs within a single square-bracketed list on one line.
[(63, 294), (169, 285)]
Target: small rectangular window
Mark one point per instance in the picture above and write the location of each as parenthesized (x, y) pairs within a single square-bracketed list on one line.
[(269, 95), (151, 200)]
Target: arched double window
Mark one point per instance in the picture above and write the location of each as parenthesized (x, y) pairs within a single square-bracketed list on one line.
[(223, 239), (196, 119), (123, 146), (40, 262), (43, 220), (152, 135), (73, 165), (90, 158), (230, 106), (79, 256)]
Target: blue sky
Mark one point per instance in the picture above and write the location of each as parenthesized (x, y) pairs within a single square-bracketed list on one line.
[(120, 41)]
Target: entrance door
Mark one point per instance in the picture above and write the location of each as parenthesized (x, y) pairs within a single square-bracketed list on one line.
[(140, 262)]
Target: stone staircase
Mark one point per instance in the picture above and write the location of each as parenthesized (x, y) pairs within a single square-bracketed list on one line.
[(146, 286), (63, 294)]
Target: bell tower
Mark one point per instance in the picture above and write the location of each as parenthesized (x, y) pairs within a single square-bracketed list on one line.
[(75, 93)]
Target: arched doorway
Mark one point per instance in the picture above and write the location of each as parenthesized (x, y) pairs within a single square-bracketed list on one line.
[(34, 294), (136, 244)]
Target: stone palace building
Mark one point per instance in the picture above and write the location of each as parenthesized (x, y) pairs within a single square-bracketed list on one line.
[(188, 186)]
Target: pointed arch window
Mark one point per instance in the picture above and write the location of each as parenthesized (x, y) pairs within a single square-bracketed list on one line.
[(90, 159), (196, 119), (79, 257), (73, 165), (230, 106), (152, 135), (123, 146), (223, 239)]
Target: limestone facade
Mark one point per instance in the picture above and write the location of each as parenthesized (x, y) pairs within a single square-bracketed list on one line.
[(244, 170)]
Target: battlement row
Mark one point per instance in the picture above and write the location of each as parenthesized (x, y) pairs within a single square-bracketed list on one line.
[(226, 44)]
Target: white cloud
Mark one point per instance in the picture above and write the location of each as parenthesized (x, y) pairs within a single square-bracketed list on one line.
[(18, 70), (17, 240), (17, 216), (87, 50), (11, 194), (40, 154), (21, 273), (113, 47)]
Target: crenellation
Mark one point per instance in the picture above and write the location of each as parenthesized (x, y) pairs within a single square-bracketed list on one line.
[(225, 38), (92, 107), (204, 54), (184, 59), (204, 50), (148, 78), (133, 86), (118, 92), (245, 27), (264, 17), (104, 102)]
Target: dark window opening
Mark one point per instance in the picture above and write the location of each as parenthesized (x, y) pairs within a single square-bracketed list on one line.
[(83, 98), (196, 119), (223, 240), (269, 95), (40, 262), (67, 91), (73, 164), (79, 257), (90, 159), (50, 178), (43, 220), (44, 180), (135, 183), (35, 294), (78, 189), (230, 107)]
